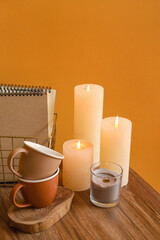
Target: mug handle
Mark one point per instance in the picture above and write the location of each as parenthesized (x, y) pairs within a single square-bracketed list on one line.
[(10, 160), (13, 196)]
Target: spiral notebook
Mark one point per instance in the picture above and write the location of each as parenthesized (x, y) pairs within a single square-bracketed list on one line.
[(25, 111)]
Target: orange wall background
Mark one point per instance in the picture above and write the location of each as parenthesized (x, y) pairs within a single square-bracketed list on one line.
[(112, 43)]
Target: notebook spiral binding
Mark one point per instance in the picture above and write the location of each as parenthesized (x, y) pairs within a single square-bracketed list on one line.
[(21, 90)]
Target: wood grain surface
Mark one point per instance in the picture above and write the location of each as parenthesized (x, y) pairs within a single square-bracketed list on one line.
[(136, 217), (33, 220)]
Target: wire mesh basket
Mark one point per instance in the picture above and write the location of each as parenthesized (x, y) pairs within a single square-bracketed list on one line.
[(8, 143)]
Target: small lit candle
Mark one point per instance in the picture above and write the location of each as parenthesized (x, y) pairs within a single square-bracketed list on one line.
[(115, 143), (105, 184), (78, 157)]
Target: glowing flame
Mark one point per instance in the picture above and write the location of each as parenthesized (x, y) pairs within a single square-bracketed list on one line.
[(116, 122), (88, 88), (79, 145)]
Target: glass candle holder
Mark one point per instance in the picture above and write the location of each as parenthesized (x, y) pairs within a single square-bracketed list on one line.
[(106, 179)]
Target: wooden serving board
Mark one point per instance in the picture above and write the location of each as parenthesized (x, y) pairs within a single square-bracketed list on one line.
[(33, 220)]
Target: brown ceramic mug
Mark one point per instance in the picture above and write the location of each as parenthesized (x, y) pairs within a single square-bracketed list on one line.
[(36, 193), (36, 161)]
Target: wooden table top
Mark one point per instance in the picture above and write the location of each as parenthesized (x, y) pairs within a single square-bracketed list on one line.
[(136, 217)]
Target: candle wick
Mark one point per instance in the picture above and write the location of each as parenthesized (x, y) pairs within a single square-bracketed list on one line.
[(116, 122), (106, 180), (88, 88)]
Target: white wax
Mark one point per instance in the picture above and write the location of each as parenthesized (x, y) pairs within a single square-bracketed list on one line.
[(76, 164), (115, 143), (88, 111)]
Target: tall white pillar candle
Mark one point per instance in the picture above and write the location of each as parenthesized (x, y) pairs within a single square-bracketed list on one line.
[(88, 111), (115, 143), (78, 157)]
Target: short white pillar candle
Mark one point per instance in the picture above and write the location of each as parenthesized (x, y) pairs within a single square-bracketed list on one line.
[(115, 143), (78, 157)]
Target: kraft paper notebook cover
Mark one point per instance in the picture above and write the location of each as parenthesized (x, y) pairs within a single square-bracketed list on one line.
[(26, 112)]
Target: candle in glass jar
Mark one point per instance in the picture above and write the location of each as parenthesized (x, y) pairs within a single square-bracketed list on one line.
[(106, 178), (105, 186), (88, 110), (115, 143), (78, 157)]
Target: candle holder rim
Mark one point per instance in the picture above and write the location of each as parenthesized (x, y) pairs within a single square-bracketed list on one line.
[(118, 175)]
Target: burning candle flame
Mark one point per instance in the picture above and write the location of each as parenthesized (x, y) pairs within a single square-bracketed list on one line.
[(79, 145), (88, 88), (116, 122)]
